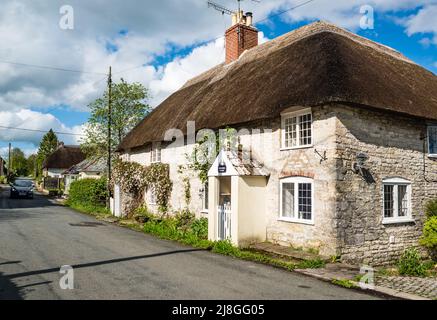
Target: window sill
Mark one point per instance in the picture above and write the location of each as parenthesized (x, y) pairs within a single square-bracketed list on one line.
[(397, 221), (432, 156), (297, 148), (306, 222), (204, 211)]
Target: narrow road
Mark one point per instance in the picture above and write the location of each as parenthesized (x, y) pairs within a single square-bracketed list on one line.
[(37, 237)]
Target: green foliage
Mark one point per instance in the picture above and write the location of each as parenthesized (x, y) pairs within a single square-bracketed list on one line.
[(49, 143), (431, 208), (410, 263), (344, 283), (19, 163), (88, 195), (194, 232), (32, 165), (3, 180), (134, 179), (429, 238), (199, 227), (187, 190), (129, 107), (311, 264)]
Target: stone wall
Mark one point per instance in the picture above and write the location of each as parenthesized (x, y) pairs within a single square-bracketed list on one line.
[(396, 148)]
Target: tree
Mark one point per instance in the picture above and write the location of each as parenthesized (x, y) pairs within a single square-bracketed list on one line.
[(129, 107), (19, 163), (32, 165), (47, 146)]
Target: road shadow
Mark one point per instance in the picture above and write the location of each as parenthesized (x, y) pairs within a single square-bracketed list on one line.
[(8, 290), (99, 263)]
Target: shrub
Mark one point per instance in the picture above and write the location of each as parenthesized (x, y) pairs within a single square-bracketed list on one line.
[(199, 227), (410, 263), (431, 208), (184, 219), (3, 180), (88, 195), (142, 214), (429, 238)]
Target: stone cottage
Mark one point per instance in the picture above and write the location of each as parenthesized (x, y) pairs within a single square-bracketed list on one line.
[(337, 143)]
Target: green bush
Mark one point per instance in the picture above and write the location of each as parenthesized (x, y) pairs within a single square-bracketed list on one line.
[(3, 180), (429, 238), (410, 264), (431, 208), (200, 228), (88, 195)]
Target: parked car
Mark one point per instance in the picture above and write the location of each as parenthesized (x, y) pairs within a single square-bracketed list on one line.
[(22, 188)]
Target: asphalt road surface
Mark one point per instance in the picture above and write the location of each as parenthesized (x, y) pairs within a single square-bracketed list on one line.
[(37, 237)]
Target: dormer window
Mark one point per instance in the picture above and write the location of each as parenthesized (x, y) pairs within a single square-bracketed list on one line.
[(297, 129), (432, 141), (155, 154)]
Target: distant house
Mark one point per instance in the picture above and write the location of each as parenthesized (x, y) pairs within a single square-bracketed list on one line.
[(87, 169), (62, 159)]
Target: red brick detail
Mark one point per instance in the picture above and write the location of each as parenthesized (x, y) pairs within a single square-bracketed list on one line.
[(300, 173), (239, 38)]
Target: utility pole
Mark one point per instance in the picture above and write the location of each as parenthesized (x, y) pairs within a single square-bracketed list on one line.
[(9, 162), (109, 135)]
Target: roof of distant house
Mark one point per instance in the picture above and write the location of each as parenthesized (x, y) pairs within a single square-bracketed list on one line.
[(314, 65), (88, 165), (64, 157)]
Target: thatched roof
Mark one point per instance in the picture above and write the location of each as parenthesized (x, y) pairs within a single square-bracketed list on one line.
[(88, 166), (316, 64), (64, 157)]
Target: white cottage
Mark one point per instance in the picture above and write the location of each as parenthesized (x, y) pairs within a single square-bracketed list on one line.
[(337, 143)]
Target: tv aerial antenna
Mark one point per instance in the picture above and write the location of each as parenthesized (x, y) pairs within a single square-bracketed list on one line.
[(225, 10)]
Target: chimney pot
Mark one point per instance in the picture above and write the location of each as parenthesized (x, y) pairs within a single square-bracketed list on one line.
[(249, 19), (241, 36)]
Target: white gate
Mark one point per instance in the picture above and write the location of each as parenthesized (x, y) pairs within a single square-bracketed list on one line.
[(224, 222), (117, 201)]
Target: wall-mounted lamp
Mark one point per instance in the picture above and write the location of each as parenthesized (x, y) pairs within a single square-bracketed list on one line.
[(361, 159)]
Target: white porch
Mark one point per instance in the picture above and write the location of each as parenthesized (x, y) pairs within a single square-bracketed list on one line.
[(237, 200)]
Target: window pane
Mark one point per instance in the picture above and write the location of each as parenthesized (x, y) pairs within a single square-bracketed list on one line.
[(432, 140), (305, 129), (288, 200), (305, 203), (402, 201), (388, 201), (290, 132)]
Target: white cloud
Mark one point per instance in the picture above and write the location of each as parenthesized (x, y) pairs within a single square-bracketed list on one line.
[(423, 22), (29, 33), (33, 120)]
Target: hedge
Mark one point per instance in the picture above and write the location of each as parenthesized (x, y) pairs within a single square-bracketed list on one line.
[(88, 195)]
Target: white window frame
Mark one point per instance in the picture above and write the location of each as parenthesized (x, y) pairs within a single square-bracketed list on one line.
[(156, 153), (431, 127), (396, 182), (296, 181), (297, 115)]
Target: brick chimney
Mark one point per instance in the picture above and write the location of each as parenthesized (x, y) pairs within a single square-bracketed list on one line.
[(241, 36)]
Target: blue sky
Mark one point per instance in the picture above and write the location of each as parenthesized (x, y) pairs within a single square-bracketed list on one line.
[(167, 55)]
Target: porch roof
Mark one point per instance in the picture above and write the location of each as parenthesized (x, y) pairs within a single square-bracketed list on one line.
[(241, 164)]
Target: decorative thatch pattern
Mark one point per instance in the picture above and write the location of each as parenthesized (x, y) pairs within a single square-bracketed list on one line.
[(317, 64)]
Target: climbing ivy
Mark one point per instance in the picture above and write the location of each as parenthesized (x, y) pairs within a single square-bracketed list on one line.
[(135, 179)]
